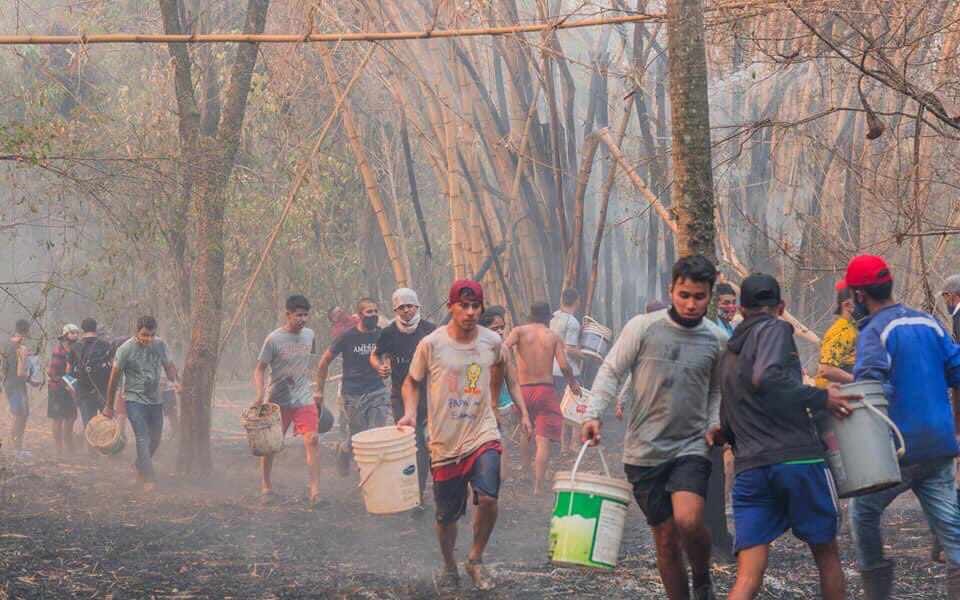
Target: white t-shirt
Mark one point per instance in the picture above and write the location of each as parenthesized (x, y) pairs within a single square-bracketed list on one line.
[(567, 327), (460, 415)]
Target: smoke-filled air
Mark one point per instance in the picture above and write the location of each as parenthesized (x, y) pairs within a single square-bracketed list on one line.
[(480, 299)]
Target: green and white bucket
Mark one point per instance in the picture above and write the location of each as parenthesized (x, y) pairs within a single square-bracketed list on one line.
[(588, 517)]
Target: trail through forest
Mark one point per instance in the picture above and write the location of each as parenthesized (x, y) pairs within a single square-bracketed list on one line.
[(78, 529)]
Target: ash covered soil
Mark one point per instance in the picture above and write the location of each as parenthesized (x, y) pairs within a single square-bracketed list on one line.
[(78, 528)]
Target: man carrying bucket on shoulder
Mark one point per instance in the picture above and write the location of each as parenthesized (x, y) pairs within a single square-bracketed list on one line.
[(138, 362), (672, 355), (461, 366), (289, 353), (782, 481), (912, 355)]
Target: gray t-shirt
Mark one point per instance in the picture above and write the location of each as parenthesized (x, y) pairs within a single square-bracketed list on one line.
[(676, 386), (140, 366), (291, 357), (567, 327)]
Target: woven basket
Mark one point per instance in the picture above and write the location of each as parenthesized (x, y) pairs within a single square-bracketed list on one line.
[(264, 429), (106, 435)]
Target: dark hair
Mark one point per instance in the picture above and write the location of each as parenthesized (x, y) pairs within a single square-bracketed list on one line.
[(569, 296), (878, 291), (366, 300), (22, 326), (695, 268), (147, 322), (297, 302), (724, 289), (492, 312), (88, 325), (842, 296), (540, 313)]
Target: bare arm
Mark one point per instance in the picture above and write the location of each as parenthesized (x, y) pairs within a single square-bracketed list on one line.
[(834, 374), (411, 398), (112, 386), (171, 370), (513, 387), (560, 353), (260, 381), (380, 363), (496, 383), (322, 368), (512, 339)]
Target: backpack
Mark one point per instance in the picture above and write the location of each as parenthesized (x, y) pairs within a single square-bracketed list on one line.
[(93, 367)]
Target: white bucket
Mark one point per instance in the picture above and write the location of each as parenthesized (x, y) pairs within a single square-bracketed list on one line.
[(574, 408), (387, 457), (264, 429), (588, 517), (860, 450), (595, 340)]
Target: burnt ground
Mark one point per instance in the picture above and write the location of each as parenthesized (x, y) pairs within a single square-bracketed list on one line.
[(78, 528)]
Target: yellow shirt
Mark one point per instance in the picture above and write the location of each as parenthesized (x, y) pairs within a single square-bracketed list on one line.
[(839, 348)]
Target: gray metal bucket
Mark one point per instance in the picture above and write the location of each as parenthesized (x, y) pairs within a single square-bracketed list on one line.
[(860, 449)]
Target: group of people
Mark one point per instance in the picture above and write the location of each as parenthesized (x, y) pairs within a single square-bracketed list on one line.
[(87, 374), (695, 386)]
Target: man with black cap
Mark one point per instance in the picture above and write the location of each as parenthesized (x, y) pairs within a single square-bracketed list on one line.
[(917, 362), (782, 481), (461, 366)]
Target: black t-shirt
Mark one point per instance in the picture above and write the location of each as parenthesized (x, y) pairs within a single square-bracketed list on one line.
[(356, 346), (400, 346), (90, 362)]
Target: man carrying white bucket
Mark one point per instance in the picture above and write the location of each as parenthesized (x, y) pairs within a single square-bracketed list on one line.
[(462, 367), (912, 354), (673, 355), (289, 353), (782, 481)]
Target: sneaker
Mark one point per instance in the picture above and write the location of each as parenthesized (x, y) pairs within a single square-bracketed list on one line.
[(343, 462), (446, 581), (704, 592), (270, 498), (480, 575), (417, 512)]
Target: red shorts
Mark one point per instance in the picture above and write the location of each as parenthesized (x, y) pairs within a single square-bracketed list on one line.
[(544, 408), (304, 418)]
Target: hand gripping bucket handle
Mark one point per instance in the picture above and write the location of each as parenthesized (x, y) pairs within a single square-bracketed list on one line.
[(901, 445), (576, 467)]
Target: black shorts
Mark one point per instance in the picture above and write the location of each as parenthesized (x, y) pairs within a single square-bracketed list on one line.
[(450, 495), (653, 486), (60, 404)]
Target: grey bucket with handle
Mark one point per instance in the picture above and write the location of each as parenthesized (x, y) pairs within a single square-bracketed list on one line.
[(860, 448)]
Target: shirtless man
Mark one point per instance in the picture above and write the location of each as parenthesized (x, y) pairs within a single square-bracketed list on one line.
[(535, 347)]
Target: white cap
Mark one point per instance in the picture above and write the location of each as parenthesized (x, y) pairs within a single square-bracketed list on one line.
[(405, 296), (68, 329)]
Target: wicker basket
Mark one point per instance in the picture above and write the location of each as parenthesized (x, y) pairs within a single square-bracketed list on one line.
[(106, 435), (264, 429)]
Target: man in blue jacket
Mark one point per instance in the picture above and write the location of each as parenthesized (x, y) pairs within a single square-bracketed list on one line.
[(914, 357)]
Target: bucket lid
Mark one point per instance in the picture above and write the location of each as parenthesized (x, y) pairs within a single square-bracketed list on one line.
[(383, 436), (616, 488)]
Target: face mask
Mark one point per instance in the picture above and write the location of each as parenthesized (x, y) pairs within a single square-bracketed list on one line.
[(860, 311), (370, 322), (683, 322)]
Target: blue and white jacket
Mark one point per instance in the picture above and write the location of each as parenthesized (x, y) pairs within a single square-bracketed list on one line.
[(917, 361)]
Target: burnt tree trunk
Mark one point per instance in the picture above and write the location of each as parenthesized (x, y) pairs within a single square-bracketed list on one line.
[(692, 192), (207, 159)]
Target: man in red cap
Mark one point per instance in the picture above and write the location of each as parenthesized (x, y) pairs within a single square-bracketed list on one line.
[(461, 365), (838, 350), (912, 355)]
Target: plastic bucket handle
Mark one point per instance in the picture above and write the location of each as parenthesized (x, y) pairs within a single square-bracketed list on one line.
[(576, 467), (902, 449)]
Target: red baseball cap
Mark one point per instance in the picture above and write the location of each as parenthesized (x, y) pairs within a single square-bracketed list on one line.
[(841, 285), (867, 269), (462, 285)]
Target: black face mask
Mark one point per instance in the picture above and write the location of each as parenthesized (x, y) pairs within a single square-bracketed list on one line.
[(683, 322), (860, 312), (370, 322)]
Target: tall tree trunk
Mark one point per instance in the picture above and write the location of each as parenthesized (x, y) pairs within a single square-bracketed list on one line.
[(692, 192), (208, 161)]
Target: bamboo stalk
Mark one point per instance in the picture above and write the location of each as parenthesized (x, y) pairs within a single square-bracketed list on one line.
[(366, 172), (637, 181), (583, 178)]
